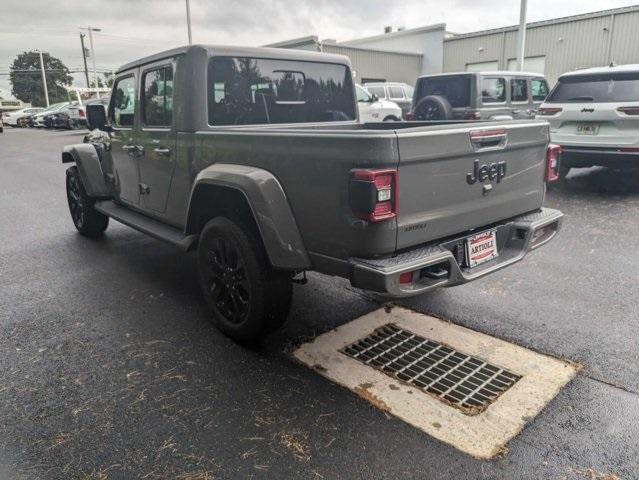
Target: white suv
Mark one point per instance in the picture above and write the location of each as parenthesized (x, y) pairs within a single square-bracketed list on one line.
[(594, 116), (372, 109)]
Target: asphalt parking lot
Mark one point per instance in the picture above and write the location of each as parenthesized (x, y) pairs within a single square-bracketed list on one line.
[(110, 369)]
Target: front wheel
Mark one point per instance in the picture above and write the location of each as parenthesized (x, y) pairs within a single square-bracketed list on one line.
[(246, 296), (86, 218)]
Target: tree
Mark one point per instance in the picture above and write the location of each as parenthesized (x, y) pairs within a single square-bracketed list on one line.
[(26, 78), (106, 81)]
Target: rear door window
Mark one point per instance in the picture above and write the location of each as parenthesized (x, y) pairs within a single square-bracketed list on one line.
[(539, 89), (493, 90), (253, 91), (396, 92), (123, 102), (518, 90), (454, 88), (597, 88), (158, 97)]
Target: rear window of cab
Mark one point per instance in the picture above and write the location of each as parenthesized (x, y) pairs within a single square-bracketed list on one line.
[(254, 91)]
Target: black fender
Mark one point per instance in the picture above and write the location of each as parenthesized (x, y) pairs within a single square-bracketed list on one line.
[(85, 156), (268, 204)]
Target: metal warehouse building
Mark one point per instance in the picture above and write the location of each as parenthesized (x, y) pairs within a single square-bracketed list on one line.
[(552, 47)]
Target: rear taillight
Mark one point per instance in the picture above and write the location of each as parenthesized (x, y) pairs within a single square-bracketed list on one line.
[(553, 157), (547, 111), (409, 116), (373, 194), (629, 110), (81, 112), (472, 115)]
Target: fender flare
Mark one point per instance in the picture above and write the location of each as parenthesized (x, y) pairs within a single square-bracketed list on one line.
[(87, 160), (268, 204)]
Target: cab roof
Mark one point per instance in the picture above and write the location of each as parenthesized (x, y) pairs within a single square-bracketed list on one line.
[(495, 73), (226, 50)]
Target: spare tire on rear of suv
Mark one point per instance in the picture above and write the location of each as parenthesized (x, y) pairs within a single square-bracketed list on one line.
[(433, 107)]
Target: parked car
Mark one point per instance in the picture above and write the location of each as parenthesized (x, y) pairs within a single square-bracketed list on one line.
[(372, 109), (19, 118), (594, 116), (500, 95), (41, 119), (397, 92), (70, 117), (256, 159)]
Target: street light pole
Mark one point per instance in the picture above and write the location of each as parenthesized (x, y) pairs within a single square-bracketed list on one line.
[(521, 37), (44, 79), (95, 75), (188, 20), (84, 57)]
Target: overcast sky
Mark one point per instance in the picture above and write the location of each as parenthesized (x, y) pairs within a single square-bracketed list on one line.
[(134, 28)]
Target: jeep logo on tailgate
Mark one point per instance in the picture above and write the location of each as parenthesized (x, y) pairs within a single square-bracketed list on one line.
[(486, 172)]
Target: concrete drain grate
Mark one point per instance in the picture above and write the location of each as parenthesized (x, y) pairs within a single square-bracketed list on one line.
[(465, 388), (460, 380)]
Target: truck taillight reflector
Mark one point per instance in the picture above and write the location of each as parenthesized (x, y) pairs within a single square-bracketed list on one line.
[(373, 194), (409, 116), (547, 111), (81, 113), (629, 110), (553, 157)]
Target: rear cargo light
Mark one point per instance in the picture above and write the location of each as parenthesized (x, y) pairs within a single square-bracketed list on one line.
[(629, 110), (472, 115), (373, 194), (553, 157), (409, 116), (547, 111), (81, 112)]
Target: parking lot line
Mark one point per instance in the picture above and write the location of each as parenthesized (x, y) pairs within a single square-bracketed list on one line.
[(481, 432)]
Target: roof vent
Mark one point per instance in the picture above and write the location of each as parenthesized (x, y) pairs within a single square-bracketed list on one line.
[(388, 29)]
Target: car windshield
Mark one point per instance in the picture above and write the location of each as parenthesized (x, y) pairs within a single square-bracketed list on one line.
[(597, 88), (362, 95), (454, 88)]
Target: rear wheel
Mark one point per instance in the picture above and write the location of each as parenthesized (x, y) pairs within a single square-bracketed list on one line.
[(86, 218), (391, 118), (246, 296), (433, 107)]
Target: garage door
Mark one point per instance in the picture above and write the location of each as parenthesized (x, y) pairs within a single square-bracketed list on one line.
[(482, 66), (531, 64)]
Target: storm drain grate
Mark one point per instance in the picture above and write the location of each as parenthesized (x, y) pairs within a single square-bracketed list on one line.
[(460, 380)]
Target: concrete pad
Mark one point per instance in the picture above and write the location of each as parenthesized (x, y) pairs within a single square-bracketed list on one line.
[(483, 435)]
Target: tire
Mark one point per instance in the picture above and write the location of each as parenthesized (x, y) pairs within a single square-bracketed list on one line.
[(246, 296), (391, 118), (433, 107), (563, 172), (86, 218)]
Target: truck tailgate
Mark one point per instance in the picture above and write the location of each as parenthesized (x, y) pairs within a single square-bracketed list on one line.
[(437, 194)]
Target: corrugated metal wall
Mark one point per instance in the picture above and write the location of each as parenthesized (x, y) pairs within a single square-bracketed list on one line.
[(584, 42), (391, 66)]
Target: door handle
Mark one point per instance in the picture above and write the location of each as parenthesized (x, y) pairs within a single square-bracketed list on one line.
[(162, 151)]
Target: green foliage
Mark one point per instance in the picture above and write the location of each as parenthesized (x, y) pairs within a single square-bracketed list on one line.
[(27, 85)]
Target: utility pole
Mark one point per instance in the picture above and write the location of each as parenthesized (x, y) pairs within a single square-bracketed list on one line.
[(95, 75), (188, 20), (521, 37), (44, 79), (84, 57)]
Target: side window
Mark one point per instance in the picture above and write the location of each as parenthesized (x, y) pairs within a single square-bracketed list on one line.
[(377, 91), (539, 89), (158, 97), (518, 90), (123, 102), (493, 90), (396, 92)]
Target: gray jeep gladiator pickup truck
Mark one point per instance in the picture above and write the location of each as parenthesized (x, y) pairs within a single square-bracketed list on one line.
[(255, 158)]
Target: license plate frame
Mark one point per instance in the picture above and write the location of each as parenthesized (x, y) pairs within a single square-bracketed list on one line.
[(476, 253), (587, 129)]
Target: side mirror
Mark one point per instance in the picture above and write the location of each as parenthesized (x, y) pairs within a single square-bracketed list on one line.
[(374, 98)]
